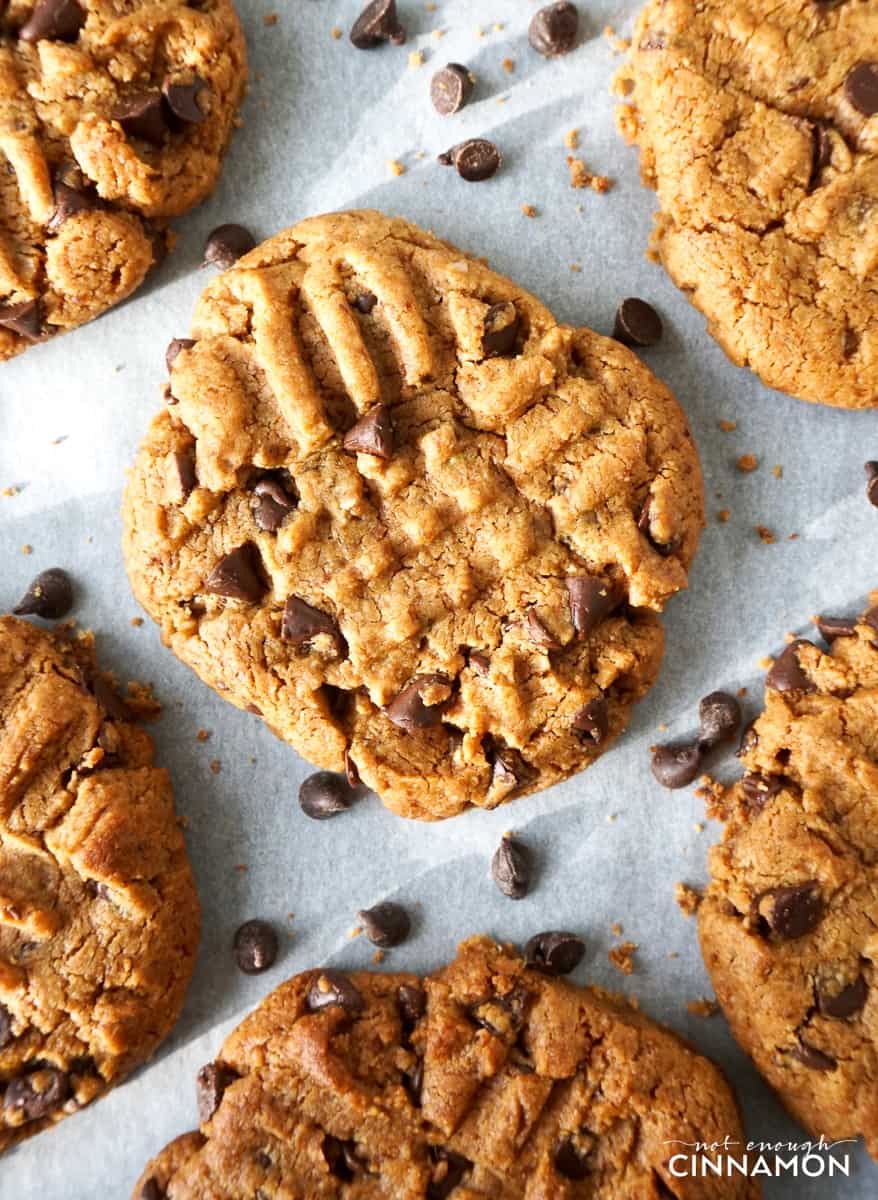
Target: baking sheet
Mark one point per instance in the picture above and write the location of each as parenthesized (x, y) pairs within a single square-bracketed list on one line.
[(321, 124)]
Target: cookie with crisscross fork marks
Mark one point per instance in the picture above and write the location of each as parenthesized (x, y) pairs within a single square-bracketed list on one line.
[(99, 917), (421, 528), (114, 117)]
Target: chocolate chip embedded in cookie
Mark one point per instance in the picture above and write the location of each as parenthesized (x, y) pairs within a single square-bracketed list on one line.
[(484, 1079), (756, 127), (116, 119), (98, 913), (787, 924), (424, 535)]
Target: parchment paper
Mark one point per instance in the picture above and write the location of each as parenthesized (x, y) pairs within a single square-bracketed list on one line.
[(321, 122)]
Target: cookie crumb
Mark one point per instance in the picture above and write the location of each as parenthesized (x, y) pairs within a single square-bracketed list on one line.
[(12, 490), (202, 735), (529, 210), (723, 515), (394, 167), (270, 19), (378, 957), (576, 268), (571, 139), (747, 462), (777, 471), (616, 929), (27, 549), (136, 622), (765, 535), (335, 33), (581, 177), (416, 59), (688, 898), (727, 426), (703, 1007), (215, 765), (508, 65), (698, 827), (621, 957)]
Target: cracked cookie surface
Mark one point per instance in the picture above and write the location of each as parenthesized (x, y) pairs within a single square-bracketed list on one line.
[(114, 117), (485, 1079), (788, 923), (757, 127), (99, 918), (396, 509)]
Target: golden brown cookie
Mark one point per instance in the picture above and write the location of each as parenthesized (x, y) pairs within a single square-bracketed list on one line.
[(397, 510), (485, 1080), (99, 917), (113, 117), (788, 924), (757, 124)]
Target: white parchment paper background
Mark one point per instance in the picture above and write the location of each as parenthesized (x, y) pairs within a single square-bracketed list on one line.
[(321, 121)]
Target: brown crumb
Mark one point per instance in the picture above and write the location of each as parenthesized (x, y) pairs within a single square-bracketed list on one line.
[(673, 954), (777, 471), (571, 139), (747, 462), (728, 426), (723, 515), (136, 622), (12, 490), (215, 765), (621, 957), (765, 535), (416, 59), (270, 19), (395, 168), (355, 932), (378, 957), (792, 537), (581, 177), (576, 268), (241, 867), (508, 65), (335, 33), (616, 929), (203, 735), (26, 549), (529, 210), (688, 898), (741, 692), (703, 1007)]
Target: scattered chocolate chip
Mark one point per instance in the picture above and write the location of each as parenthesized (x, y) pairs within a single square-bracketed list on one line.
[(341, 1158), (372, 434), (25, 319), (36, 1094), (55, 20), (861, 88), (182, 100), (676, 766), (187, 476), (501, 326), (225, 245), (786, 675), (450, 89), (142, 115), (174, 348), (386, 924), (210, 1084), (569, 1162), (794, 910), (302, 623), (637, 323), (511, 868), (412, 1002), (238, 575), (333, 988), (475, 159), (365, 302), (5, 1026), (554, 952), (410, 711), (377, 23), (553, 29), (871, 469), (719, 715), (592, 721), (69, 201), (809, 1056), (835, 627), (591, 600), (851, 999), (447, 1173), (539, 634), (255, 947), (759, 789), (352, 774), (151, 1190), (325, 794), (50, 596), (273, 503)]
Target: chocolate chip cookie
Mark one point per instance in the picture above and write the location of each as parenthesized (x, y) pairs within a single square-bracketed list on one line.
[(486, 1079), (788, 924), (400, 512), (757, 124), (99, 917), (113, 118)]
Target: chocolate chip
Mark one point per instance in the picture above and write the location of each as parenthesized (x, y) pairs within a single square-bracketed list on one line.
[(341, 1157), (861, 88), (255, 947), (225, 245), (511, 868), (719, 715), (174, 348), (56, 20), (812, 1058), (501, 1015), (386, 924), (539, 634), (69, 201), (325, 794), (749, 740), (187, 476), (821, 154), (644, 524), (871, 469), (210, 1084), (50, 596), (37, 1094), (109, 699), (151, 1190), (182, 100), (274, 503), (786, 675), (330, 988), (450, 89), (637, 323), (835, 627), (413, 1082), (758, 789), (591, 600), (377, 23), (569, 1162), (365, 302), (238, 575), (553, 29), (302, 623), (372, 434), (509, 771), (447, 1173), (6, 1035), (410, 711), (592, 721), (478, 661), (501, 327), (142, 115), (412, 1002), (475, 159), (794, 910), (352, 774), (554, 952), (25, 319), (676, 766), (851, 999)]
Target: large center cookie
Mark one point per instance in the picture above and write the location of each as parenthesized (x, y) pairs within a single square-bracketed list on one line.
[(99, 918), (484, 1081), (788, 925), (757, 123), (401, 513), (113, 117)]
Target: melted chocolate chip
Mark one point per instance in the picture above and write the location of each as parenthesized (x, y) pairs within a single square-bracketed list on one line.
[(341, 1158), (274, 503), (302, 623), (501, 326), (238, 575), (377, 23), (592, 721), (182, 100), (6, 1035), (539, 634), (187, 476), (554, 952), (332, 988), (850, 1000), (325, 794), (69, 201), (352, 774), (255, 947), (37, 1094), (591, 600), (511, 868), (476, 159), (676, 766), (570, 1162), (793, 910), (225, 245), (509, 771), (861, 88), (786, 674), (447, 1173), (210, 1084), (386, 925), (450, 88), (142, 115), (49, 596), (409, 711), (637, 323), (553, 29), (53, 20), (812, 1058), (174, 348), (372, 434), (412, 1002), (365, 302), (25, 319), (835, 627), (758, 789), (151, 1190)]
